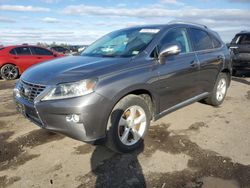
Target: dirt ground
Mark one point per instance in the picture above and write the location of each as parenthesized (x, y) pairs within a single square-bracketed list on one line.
[(198, 146)]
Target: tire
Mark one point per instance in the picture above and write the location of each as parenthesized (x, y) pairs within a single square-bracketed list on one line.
[(219, 91), (123, 134), (9, 72)]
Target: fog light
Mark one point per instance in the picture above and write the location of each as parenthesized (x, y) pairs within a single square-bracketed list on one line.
[(73, 118), (16, 93)]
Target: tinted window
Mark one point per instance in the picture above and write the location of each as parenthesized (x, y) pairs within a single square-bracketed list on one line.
[(177, 36), (236, 39), (41, 51), (245, 39), (216, 42), (22, 51), (13, 51), (201, 40)]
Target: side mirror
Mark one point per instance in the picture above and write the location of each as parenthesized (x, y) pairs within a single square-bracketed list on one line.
[(169, 50), (55, 55)]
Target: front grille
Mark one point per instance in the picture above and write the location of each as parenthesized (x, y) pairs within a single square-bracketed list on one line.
[(30, 91)]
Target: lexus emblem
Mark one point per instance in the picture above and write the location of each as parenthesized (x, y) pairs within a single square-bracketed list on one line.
[(26, 91)]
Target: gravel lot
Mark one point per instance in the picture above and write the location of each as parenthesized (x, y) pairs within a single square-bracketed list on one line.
[(197, 146)]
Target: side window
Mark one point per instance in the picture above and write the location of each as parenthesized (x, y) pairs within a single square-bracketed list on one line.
[(201, 39), (216, 42), (245, 39), (23, 51), (236, 39), (13, 52), (177, 36), (41, 51)]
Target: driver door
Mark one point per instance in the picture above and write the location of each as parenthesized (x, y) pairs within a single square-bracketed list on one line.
[(178, 74)]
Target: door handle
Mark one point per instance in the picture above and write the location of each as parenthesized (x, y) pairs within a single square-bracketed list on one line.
[(39, 57), (16, 57)]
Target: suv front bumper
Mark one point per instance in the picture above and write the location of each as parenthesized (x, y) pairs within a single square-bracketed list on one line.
[(92, 110)]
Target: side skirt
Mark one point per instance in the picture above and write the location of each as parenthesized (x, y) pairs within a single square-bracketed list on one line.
[(182, 104)]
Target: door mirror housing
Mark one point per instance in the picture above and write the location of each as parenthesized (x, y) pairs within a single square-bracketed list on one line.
[(55, 55), (168, 50)]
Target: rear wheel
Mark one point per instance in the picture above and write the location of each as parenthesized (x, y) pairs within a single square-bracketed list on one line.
[(219, 92), (9, 72), (128, 123)]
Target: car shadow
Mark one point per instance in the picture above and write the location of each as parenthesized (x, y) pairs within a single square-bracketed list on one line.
[(120, 170), (125, 170), (112, 169)]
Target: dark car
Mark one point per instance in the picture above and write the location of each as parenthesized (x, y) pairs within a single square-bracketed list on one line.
[(61, 50), (14, 60), (124, 80), (240, 47)]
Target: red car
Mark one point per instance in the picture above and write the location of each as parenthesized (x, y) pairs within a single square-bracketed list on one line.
[(14, 60)]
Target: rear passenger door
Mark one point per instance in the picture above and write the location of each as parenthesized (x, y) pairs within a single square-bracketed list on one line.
[(22, 57), (41, 54), (210, 55), (179, 74)]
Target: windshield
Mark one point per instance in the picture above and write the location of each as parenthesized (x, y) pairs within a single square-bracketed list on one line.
[(123, 43)]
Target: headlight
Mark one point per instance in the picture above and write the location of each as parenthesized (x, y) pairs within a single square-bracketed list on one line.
[(69, 90)]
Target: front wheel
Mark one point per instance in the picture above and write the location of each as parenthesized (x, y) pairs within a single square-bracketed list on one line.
[(128, 124), (219, 92), (9, 72)]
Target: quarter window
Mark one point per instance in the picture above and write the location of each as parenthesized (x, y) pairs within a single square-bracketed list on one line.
[(177, 36), (245, 39), (201, 40), (23, 51), (41, 51), (216, 42), (13, 52)]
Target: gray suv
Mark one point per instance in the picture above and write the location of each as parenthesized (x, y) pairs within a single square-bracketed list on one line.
[(125, 80)]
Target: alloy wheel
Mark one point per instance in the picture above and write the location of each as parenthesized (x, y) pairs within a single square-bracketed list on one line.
[(221, 89), (9, 72), (132, 125)]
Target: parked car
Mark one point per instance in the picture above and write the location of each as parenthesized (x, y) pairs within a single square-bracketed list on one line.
[(124, 80), (61, 50), (14, 60), (240, 47)]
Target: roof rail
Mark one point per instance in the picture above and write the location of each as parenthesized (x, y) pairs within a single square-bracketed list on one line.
[(187, 22)]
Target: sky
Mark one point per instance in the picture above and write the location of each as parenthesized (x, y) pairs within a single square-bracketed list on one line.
[(84, 21)]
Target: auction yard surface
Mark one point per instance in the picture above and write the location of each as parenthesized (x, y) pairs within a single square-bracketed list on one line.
[(197, 146)]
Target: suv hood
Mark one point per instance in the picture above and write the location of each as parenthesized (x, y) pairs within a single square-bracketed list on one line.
[(70, 69)]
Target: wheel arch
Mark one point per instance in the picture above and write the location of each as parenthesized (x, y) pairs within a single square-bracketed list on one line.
[(19, 71), (144, 92)]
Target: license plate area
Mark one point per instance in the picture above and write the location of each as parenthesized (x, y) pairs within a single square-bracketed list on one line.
[(29, 112)]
